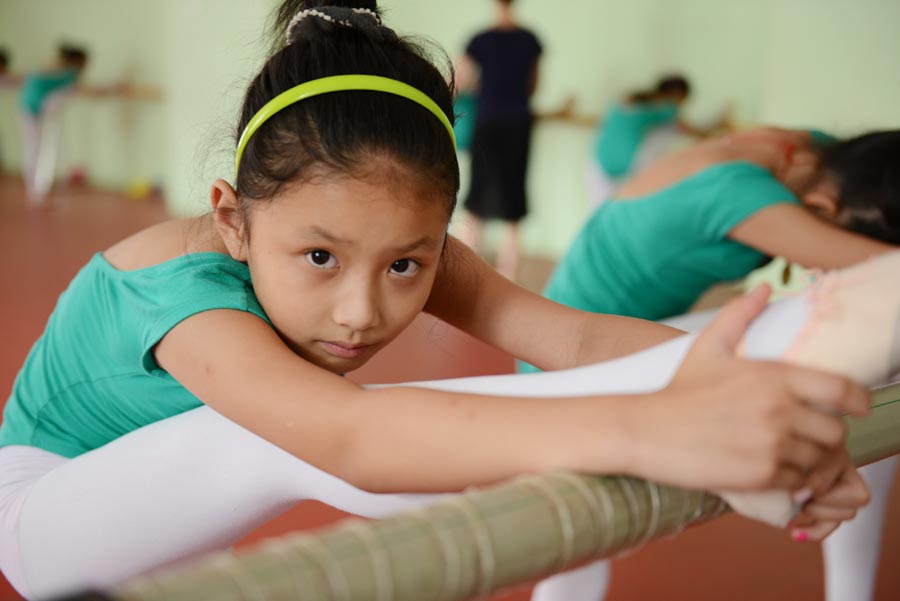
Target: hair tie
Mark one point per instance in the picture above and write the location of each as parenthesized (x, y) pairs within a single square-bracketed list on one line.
[(339, 15)]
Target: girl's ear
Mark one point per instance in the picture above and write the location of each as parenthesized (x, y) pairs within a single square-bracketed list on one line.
[(228, 219), (823, 203), (823, 198)]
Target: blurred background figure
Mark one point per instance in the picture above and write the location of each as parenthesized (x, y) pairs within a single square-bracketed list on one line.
[(7, 78), (5, 75), (504, 62), (714, 212), (643, 128), (42, 96)]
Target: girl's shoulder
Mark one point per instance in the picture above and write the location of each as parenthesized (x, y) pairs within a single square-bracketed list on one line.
[(164, 242), (691, 181)]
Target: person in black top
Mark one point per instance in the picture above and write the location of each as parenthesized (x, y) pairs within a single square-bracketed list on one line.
[(506, 58)]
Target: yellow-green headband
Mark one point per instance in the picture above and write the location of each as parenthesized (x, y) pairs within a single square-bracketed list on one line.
[(337, 83)]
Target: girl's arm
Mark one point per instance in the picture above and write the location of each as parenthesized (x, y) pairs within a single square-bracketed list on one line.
[(389, 439), (472, 296), (408, 439), (795, 233)]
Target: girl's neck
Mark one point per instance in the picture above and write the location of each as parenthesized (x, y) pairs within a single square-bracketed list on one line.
[(505, 18), (788, 163)]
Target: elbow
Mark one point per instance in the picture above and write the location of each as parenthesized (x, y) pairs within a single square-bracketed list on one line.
[(362, 473)]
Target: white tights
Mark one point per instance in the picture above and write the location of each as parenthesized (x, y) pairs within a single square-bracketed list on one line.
[(851, 553), (198, 482)]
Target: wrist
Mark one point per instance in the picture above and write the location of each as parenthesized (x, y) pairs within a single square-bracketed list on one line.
[(640, 426), (626, 447)]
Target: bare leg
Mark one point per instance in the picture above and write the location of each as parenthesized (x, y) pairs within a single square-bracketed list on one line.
[(508, 256), (31, 140), (51, 130), (471, 232)]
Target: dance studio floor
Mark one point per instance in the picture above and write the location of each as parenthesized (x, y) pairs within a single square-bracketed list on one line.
[(731, 559)]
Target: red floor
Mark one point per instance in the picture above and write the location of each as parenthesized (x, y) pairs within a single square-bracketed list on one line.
[(730, 559)]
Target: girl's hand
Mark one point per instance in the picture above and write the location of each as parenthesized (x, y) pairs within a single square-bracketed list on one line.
[(839, 502), (731, 424)]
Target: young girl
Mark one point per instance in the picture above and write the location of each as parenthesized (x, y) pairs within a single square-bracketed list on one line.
[(712, 213), (621, 146), (188, 386), (41, 98)]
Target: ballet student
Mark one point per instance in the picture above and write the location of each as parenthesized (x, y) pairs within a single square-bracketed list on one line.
[(711, 214), (189, 383)]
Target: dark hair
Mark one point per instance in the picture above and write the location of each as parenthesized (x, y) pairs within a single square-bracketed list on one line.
[(4, 59), (867, 170), (72, 55), (340, 132), (670, 84), (673, 84)]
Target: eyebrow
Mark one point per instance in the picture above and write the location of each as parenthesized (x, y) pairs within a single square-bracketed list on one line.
[(316, 231), (423, 242)]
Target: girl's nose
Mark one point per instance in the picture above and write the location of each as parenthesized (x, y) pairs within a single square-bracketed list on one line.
[(356, 307)]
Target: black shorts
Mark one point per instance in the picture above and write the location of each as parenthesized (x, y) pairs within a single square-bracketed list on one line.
[(499, 165)]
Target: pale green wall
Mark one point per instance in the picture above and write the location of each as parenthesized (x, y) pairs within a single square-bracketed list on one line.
[(200, 52), (214, 46), (835, 64), (828, 63), (115, 140)]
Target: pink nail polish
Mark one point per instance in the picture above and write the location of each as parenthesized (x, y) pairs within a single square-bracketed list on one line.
[(800, 536)]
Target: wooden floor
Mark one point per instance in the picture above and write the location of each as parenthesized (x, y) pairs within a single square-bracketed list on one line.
[(731, 559)]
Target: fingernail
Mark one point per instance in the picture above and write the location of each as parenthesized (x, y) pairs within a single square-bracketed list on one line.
[(800, 536), (802, 496)]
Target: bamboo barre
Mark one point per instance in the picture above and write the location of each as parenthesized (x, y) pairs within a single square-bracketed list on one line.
[(476, 543)]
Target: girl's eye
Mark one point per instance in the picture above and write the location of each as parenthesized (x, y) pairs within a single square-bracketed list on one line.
[(405, 268), (321, 259)]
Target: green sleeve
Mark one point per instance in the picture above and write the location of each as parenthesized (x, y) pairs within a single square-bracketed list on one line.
[(661, 114), (207, 289), (742, 190)]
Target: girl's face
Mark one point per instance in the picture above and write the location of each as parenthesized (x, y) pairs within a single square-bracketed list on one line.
[(342, 265)]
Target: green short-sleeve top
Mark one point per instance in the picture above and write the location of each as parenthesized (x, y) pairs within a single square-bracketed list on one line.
[(38, 86), (623, 131), (91, 376), (653, 256)]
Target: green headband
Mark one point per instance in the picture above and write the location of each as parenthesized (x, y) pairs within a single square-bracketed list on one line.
[(337, 83)]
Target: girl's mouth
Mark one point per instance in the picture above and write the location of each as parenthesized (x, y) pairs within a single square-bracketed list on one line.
[(344, 350)]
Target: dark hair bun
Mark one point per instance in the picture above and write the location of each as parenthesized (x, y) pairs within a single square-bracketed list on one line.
[(307, 4), (323, 17)]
